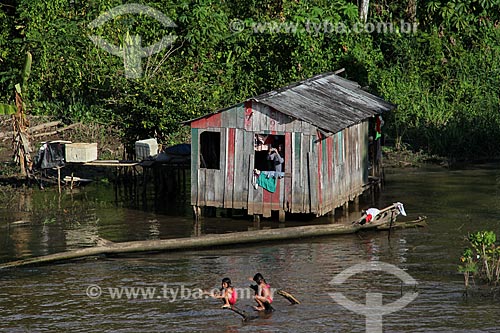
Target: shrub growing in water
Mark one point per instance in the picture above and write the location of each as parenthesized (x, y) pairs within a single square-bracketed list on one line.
[(482, 259)]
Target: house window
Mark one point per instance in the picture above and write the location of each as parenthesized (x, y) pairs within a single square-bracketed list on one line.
[(210, 150), (262, 144)]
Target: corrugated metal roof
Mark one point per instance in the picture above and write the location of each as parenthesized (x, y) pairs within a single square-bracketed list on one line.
[(327, 101)]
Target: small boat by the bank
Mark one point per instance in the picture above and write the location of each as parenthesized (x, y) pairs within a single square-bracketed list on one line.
[(386, 216)]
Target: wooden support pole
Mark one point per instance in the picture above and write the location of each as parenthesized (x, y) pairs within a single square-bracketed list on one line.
[(197, 228), (331, 216), (197, 213), (356, 203), (345, 208), (281, 216), (59, 179)]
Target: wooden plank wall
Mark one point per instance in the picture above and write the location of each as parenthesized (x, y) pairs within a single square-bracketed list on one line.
[(292, 191), (322, 172), (341, 167)]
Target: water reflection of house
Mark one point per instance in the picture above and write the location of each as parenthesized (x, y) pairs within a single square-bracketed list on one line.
[(322, 124)]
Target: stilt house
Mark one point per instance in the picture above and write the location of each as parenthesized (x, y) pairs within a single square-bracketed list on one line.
[(319, 126)]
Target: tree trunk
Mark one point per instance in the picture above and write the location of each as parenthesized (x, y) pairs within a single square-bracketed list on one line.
[(363, 10), (411, 11)]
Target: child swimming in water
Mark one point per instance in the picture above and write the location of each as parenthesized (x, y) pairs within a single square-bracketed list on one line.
[(263, 295), (227, 294)]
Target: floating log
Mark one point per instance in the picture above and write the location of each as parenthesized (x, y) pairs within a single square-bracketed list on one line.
[(205, 241)]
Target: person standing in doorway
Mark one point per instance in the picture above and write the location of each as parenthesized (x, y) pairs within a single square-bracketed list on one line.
[(275, 158)]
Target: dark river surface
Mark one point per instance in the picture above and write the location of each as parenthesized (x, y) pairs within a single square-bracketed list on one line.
[(56, 298)]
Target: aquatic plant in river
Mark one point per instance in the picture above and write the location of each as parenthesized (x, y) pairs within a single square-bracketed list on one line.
[(482, 259)]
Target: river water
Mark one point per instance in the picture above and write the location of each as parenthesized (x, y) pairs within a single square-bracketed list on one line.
[(55, 298)]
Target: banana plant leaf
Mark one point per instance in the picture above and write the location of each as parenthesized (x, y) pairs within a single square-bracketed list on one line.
[(7, 109), (26, 72)]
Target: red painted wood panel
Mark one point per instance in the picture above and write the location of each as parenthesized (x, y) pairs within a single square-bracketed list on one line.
[(229, 187), (200, 123), (214, 120)]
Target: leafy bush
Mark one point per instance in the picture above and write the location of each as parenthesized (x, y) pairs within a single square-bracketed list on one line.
[(444, 77), (482, 259)]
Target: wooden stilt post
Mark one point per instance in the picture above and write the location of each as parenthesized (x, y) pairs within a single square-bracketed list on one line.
[(345, 208), (197, 228), (256, 222), (331, 216), (281, 216), (197, 213), (59, 179)]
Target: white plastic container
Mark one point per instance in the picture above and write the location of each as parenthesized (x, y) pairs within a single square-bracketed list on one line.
[(145, 149), (80, 152)]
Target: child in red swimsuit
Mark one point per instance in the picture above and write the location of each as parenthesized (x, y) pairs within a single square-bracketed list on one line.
[(227, 293), (263, 296)]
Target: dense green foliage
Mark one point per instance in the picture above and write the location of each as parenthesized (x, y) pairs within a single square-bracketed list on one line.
[(444, 77), (482, 259)]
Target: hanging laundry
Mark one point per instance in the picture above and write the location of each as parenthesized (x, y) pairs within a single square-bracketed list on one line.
[(379, 122), (264, 180)]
